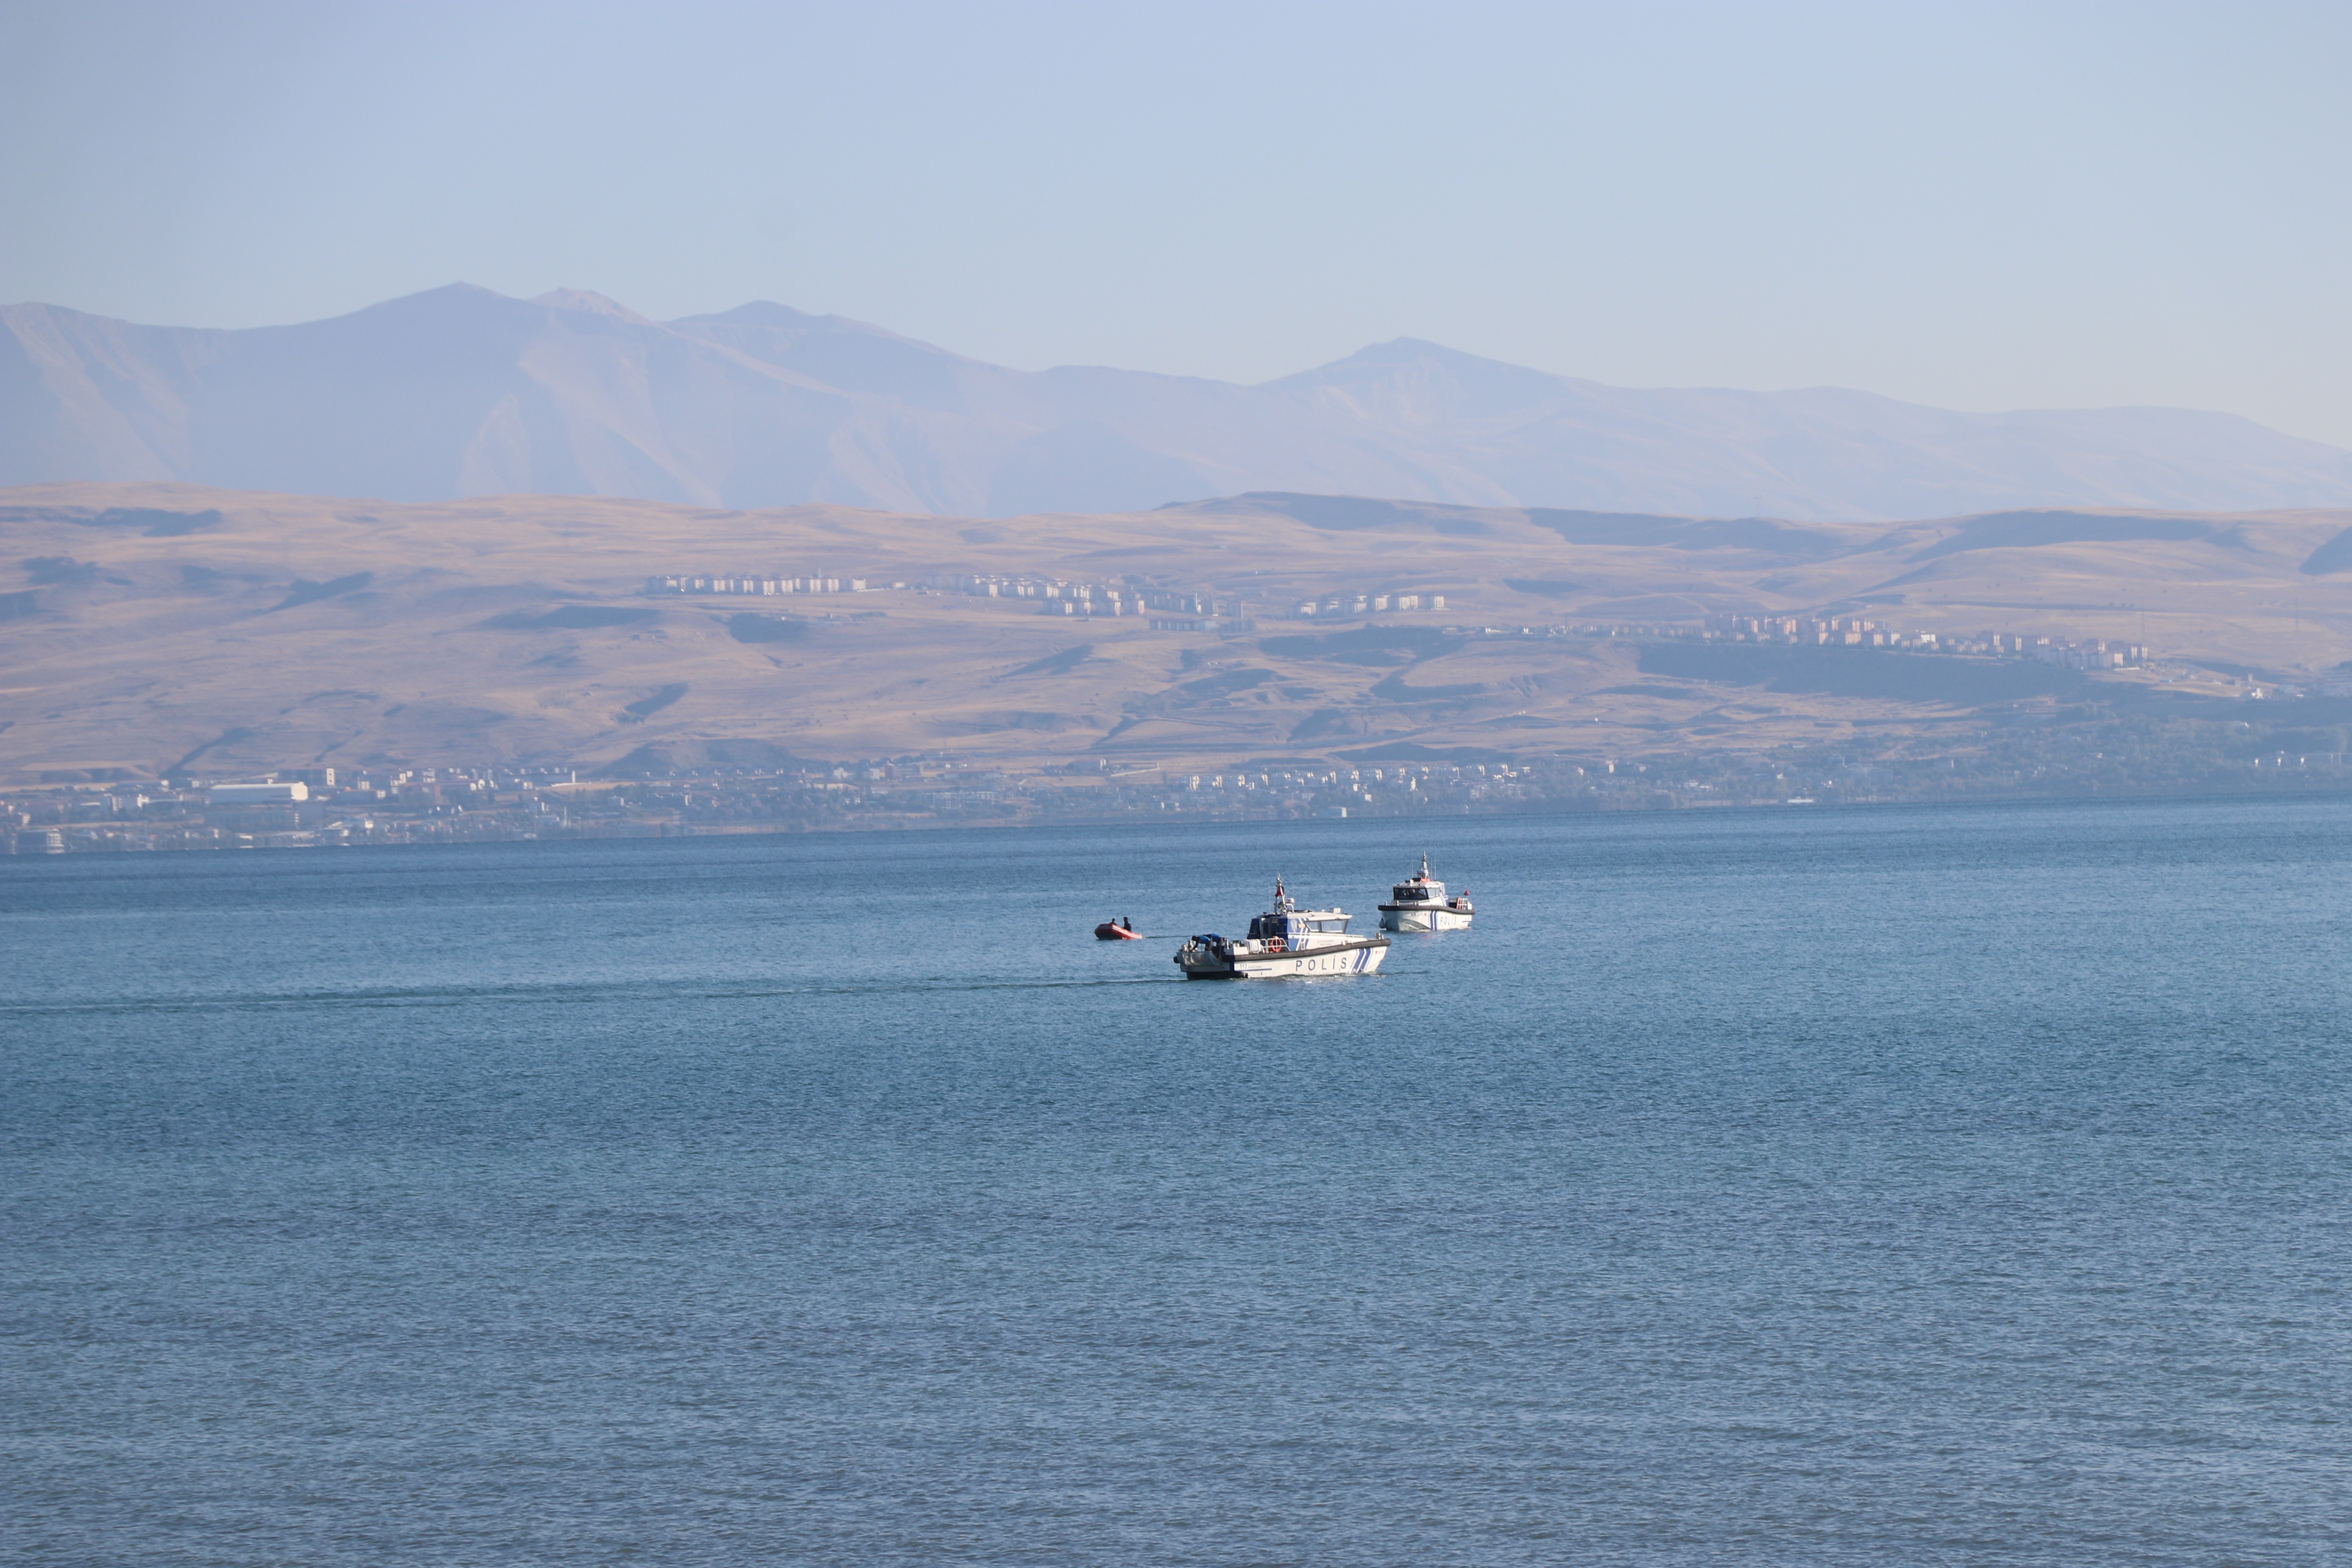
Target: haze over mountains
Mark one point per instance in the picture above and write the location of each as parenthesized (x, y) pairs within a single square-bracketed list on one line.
[(461, 392)]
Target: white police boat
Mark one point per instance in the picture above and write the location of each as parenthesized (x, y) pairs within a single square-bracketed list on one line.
[(1285, 941), (1418, 903)]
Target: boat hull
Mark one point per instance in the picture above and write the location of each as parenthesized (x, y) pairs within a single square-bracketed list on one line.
[(1435, 918), (1361, 956)]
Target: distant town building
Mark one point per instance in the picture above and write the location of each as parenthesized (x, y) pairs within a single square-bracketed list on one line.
[(288, 794)]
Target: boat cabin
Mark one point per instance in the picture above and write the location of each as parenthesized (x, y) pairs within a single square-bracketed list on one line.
[(1423, 889), (1293, 924)]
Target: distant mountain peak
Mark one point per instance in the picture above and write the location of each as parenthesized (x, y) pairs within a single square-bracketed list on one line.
[(766, 313), (769, 315), (460, 289), (592, 304), (1418, 348), (1404, 378)]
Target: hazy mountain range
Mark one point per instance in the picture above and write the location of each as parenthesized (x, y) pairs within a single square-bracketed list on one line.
[(461, 392)]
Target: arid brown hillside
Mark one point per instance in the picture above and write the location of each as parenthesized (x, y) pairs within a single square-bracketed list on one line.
[(152, 624)]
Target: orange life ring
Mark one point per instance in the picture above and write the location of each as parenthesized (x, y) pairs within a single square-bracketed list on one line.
[(1274, 944)]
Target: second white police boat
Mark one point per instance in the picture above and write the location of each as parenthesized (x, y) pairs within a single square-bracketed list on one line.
[(1418, 903), (1283, 942)]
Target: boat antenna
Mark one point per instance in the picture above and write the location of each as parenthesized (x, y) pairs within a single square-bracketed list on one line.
[(1424, 863)]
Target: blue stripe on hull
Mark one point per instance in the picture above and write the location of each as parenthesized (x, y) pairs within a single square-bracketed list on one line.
[(1364, 960)]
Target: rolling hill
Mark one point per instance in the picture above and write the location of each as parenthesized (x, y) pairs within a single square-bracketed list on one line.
[(145, 625)]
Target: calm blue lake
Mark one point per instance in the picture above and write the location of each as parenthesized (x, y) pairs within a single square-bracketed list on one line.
[(1867, 1186)]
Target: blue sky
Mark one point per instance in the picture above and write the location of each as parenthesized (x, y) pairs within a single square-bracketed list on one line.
[(1979, 207)]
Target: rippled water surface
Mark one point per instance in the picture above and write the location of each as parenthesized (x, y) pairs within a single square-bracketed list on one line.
[(1873, 1186)]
